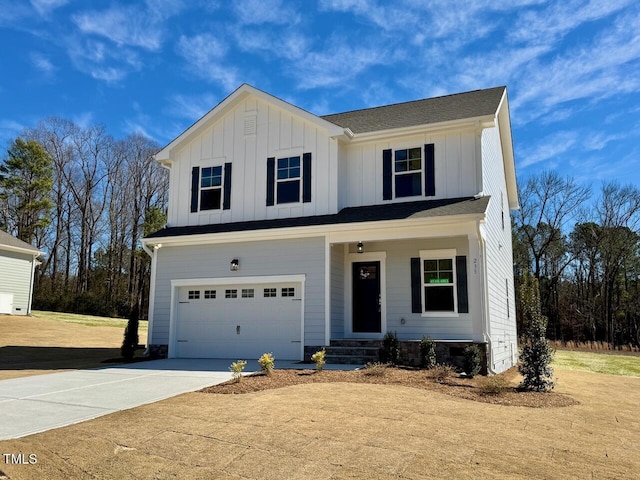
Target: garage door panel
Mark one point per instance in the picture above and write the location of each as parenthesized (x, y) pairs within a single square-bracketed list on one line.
[(240, 327)]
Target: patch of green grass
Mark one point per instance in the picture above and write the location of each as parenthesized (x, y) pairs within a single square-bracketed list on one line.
[(87, 320), (626, 365)]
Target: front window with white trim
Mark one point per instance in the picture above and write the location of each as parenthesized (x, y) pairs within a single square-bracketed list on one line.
[(438, 270), (408, 172)]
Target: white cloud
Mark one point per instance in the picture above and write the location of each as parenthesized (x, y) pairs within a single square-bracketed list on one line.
[(548, 148), (101, 62), (599, 140), (44, 7), (204, 54), (256, 12), (130, 26), (545, 26), (191, 107), (41, 63)]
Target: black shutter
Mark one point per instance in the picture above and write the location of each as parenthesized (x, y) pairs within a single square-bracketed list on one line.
[(461, 284), (195, 188), (271, 180), (429, 170), (226, 202), (306, 177), (387, 176), (416, 286)]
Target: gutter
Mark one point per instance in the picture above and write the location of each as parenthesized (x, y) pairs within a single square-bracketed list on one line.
[(484, 296)]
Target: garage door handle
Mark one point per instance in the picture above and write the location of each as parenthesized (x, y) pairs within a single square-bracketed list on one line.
[(183, 302), (183, 341), (296, 299)]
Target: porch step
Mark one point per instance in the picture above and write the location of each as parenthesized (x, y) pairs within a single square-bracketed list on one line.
[(353, 351)]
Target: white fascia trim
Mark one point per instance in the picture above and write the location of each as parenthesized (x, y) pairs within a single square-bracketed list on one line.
[(9, 248), (485, 121), (189, 282), (503, 120), (337, 232)]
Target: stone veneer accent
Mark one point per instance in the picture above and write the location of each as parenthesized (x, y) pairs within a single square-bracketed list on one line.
[(158, 351)]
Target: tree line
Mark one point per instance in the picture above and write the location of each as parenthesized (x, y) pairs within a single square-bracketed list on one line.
[(584, 252), (86, 199)]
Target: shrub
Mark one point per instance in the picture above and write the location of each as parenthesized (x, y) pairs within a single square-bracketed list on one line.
[(390, 351), (267, 363), (130, 341), (375, 369), (236, 369), (495, 385), (427, 353), (318, 358), (472, 360), (442, 373), (536, 352)]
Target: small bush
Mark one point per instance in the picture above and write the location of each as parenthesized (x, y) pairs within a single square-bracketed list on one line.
[(319, 360), (496, 385), (130, 341), (390, 352), (236, 369), (375, 369), (427, 353), (472, 360), (267, 363), (442, 373)]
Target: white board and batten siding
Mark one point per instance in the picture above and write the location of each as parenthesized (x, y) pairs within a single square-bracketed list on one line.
[(16, 270), (499, 253), (456, 167), (246, 136), (263, 259)]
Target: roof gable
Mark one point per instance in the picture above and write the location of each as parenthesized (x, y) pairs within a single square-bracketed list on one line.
[(474, 104), (233, 99)]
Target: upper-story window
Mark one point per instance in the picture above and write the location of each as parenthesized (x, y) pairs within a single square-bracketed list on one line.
[(408, 172), (211, 188), (289, 179)]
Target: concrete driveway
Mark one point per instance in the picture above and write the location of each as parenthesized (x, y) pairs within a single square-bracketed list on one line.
[(38, 403)]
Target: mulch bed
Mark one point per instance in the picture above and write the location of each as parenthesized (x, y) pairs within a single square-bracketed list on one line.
[(467, 388)]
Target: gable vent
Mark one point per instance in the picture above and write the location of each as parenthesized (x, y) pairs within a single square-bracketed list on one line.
[(250, 125)]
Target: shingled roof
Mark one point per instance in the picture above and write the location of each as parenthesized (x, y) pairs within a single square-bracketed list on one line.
[(370, 213), (10, 241), (472, 104)]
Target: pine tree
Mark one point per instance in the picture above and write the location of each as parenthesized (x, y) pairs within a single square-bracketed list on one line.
[(26, 179), (536, 352)]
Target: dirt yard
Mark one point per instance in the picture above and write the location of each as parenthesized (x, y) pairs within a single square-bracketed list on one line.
[(350, 431), (33, 346)]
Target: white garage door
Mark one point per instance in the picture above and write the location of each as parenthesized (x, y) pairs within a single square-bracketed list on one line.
[(239, 321)]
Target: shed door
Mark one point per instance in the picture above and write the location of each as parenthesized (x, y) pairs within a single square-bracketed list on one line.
[(239, 321)]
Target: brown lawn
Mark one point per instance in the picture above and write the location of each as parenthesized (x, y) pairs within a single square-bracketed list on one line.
[(351, 431), (33, 346)]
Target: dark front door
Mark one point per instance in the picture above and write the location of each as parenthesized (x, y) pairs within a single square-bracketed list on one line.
[(366, 297)]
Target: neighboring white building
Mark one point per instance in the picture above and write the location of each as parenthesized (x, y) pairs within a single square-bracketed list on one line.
[(270, 207), (18, 260)]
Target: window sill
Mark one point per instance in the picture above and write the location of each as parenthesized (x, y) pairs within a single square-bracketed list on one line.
[(440, 315)]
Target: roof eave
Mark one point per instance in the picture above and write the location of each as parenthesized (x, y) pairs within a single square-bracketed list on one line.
[(28, 251), (484, 121), (310, 231)]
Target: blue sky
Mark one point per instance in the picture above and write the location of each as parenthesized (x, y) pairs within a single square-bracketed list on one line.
[(572, 67)]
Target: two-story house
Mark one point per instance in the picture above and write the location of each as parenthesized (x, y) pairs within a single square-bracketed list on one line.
[(287, 231)]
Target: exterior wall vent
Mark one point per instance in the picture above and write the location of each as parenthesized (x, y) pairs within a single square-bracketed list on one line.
[(250, 125)]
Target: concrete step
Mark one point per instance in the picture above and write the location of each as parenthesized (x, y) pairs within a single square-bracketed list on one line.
[(354, 342)]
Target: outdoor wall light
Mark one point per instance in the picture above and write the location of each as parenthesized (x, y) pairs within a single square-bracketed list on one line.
[(235, 264), (360, 247)]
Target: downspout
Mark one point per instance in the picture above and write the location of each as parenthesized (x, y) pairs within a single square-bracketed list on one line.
[(484, 296), (34, 263), (152, 290)]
